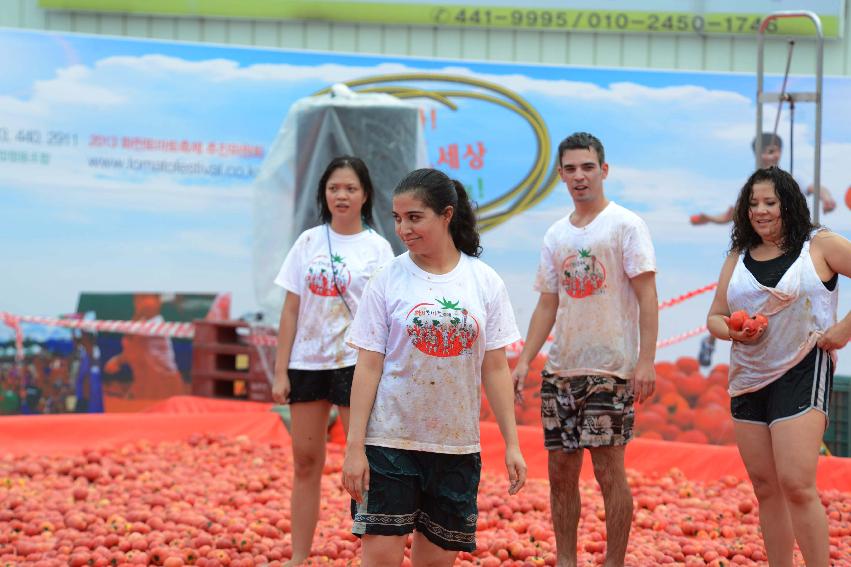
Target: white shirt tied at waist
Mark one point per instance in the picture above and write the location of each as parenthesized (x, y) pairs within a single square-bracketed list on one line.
[(799, 310)]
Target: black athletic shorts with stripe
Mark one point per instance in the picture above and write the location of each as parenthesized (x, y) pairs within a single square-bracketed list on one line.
[(806, 386)]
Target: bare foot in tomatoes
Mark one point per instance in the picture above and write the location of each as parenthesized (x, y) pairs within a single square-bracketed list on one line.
[(295, 561)]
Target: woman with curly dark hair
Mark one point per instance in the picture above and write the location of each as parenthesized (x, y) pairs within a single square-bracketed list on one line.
[(783, 267)]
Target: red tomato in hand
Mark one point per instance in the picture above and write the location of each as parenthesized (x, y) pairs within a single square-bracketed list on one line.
[(737, 319)]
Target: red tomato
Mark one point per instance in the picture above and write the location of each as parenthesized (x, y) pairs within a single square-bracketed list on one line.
[(737, 319)]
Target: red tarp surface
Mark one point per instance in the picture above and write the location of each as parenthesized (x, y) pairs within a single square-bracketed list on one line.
[(178, 417)]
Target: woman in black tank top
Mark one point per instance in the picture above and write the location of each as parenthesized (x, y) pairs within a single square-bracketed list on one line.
[(779, 427), (770, 272)]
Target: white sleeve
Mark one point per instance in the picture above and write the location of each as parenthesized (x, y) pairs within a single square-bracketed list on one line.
[(291, 275), (547, 278), (370, 329), (501, 327), (638, 253), (386, 252)]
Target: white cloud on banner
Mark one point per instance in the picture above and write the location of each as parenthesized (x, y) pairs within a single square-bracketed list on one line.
[(622, 93), (73, 86), (123, 83), (128, 80), (223, 70), (99, 84)]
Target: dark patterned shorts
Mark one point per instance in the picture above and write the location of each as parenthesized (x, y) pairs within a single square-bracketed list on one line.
[(433, 493), (579, 412)]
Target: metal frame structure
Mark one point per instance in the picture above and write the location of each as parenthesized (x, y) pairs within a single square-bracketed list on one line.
[(783, 96)]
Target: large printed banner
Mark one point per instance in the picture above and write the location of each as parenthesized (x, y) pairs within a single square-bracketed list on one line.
[(709, 17), (128, 164)]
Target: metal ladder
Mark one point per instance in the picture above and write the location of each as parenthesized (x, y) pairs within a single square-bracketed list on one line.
[(783, 96)]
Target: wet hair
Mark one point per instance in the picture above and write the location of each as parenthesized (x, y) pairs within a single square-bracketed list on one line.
[(794, 212), (768, 139), (437, 191), (581, 141), (359, 167)]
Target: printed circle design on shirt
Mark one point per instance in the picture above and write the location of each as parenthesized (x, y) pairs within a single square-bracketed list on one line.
[(442, 329), (583, 274), (321, 274)]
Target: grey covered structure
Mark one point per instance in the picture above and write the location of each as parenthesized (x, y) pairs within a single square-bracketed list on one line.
[(380, 129)]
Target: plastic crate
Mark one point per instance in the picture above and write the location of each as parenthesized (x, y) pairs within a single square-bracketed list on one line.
[(838, 434)]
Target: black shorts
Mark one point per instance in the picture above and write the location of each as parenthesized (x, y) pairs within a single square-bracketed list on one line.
[(434, 493), (313, 385), (581, 412), (806, 386)]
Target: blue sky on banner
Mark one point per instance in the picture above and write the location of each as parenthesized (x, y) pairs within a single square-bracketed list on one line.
[(677, 143)]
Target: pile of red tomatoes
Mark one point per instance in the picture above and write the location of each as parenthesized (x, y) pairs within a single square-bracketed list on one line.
[(212, 501), (687, 406)]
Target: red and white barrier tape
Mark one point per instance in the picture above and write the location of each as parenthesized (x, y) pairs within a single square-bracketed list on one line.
[(687, 295), (267, 340), (147, 328), (680, 338), (13, 321), (187, 330)]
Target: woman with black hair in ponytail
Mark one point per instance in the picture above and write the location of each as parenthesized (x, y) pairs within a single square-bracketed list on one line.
[(432, 328), (324, 275)]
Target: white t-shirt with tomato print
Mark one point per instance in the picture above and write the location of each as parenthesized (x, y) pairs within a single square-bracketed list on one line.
[(309, 272), (434, 331), (596, 328)]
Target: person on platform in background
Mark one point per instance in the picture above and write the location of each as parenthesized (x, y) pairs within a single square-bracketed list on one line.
[(432, 330), (783, 267), (150, 358), (87, 381), (597, 284), (32, 392), (772, 150), (324, 275)]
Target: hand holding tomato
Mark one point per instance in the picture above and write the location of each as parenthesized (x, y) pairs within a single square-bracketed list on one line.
[(518, 376), (356, 473), (516, 466), (746, 329), (643, 381), (698, 219), (281, 389), (747, 335)]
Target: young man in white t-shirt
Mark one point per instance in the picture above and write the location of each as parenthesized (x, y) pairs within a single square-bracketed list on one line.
[(597, 280)]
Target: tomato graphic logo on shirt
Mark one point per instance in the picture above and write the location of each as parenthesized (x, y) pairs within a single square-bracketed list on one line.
[(583, 275), (443, 329), (321, 275)]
